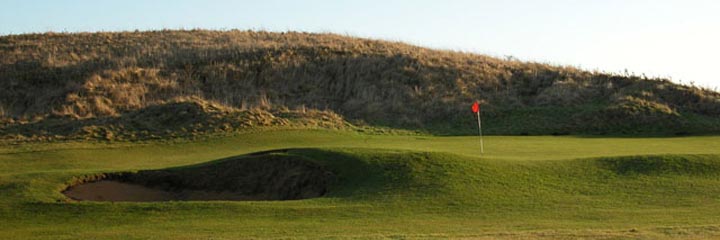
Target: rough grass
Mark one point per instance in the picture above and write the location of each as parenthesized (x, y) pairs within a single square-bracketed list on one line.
[(96, 77), (389, 187), (178, 118)]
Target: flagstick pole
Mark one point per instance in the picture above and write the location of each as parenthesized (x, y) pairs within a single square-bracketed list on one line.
[(482, 147)]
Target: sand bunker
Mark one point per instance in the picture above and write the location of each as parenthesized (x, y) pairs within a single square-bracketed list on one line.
[(268, 176)]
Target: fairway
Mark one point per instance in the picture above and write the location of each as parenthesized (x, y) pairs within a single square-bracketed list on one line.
[(389, 186)]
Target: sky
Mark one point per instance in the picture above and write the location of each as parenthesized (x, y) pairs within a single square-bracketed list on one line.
[(677, 39)]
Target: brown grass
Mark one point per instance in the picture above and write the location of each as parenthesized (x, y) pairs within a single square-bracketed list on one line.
[(107, 74)]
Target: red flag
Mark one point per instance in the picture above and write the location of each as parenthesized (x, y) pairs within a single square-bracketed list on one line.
[(476, 110), (476, 107)]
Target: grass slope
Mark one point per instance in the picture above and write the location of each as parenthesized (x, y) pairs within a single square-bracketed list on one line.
[(59, 85), (388, 187)]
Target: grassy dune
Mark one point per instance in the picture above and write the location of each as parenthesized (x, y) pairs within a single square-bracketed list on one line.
[(122, 85), (388, 187)]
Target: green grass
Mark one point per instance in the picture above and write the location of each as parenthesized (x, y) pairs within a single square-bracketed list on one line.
[(388, 187)]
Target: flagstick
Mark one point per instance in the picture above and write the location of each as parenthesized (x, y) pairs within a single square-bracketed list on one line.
[(482, 148)]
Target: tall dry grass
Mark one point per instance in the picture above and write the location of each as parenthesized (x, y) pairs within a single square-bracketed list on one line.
[(87, 75)]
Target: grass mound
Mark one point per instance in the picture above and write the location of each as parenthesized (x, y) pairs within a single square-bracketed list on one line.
[(272, 176), (183, 117), (663, 165), (464, 183), (407, 176)]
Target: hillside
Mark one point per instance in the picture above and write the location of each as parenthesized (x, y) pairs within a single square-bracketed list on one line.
[(179, 83)]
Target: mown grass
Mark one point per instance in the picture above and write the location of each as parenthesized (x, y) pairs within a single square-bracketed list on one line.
[(388, 187)]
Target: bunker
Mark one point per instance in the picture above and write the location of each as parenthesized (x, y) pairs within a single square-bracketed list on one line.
[(262, 176)]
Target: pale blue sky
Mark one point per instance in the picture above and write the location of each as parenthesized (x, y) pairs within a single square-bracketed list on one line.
[(680, 39)]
